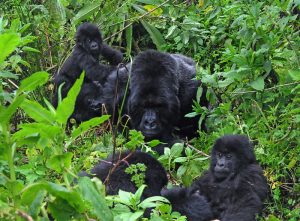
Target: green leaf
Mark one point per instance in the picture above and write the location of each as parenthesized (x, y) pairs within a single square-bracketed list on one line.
[(30, 49), (87, 11), (180, 160), (35, 206), (258, 84), (37, 112), (295, 74), (152, 202), (171, 30), (7, 74), (190, 115), (139, 193), (135, 216), (176, 149), (61, 210), (67, 105), (59, 191), (128, 33), (181, 170), (153, 143), (33, 81), (91, 195), (60, 162), (8, 43), (124, 197), (6, 113), (199, 94), (37, 130), (85, 126), (155, 35)]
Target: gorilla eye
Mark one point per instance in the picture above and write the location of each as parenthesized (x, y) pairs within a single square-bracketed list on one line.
[(228, 156), (220, 154)]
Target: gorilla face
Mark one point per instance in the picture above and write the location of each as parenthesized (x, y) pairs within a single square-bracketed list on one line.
[(224, 164), (230, 154), (154, 118), (89, 38)]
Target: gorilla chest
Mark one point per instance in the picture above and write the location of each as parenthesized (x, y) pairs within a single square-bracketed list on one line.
[(220, 196)]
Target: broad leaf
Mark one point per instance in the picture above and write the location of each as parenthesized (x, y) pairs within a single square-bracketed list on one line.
[(59, 191), (37, 112), (60, 162), (6, 113), (67, 105), (33, 81), (258, 84), (97, 201), (155, 34), (8, 43), (83, 127), (87, 11)]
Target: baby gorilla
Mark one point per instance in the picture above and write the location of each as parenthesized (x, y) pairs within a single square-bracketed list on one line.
[(85, 57), (155, 179), (155, 174), (162, 89), (234, 185)]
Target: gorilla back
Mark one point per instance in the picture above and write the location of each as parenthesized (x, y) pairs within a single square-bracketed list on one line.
[(155, 175)]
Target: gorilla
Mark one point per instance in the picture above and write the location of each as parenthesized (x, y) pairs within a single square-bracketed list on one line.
[(155, 174), (85, 57), (189, 203), (155, 179), (234, 185), (162, 90)]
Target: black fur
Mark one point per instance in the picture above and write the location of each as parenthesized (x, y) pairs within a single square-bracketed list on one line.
[(162, 90), (85, 57), (234, 185), (155, 175), (114, 92), (191, 204)]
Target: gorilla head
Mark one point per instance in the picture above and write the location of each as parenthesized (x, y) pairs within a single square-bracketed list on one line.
[(153, 103), (88, 38), (230, 154)]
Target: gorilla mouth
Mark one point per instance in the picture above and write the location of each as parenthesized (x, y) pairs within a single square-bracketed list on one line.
[(150, 133)]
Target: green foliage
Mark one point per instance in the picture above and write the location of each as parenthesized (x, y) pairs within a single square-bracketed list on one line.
[(137, 172), (247, 53)]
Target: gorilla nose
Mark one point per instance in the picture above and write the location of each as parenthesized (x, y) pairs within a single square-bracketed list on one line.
[(150, 124), (94, 46)]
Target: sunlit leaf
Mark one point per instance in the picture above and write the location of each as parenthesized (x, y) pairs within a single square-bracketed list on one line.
[(8, 43)]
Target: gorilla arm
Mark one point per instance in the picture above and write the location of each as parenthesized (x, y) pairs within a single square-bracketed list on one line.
[(113, 56)]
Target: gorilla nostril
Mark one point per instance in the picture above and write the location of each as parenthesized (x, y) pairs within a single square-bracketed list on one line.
[(150, 125), (94, 46)]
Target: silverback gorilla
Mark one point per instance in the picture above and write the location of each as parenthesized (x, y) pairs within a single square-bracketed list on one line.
[(234, 185), (195, 207), (162, 89), (85, 57)]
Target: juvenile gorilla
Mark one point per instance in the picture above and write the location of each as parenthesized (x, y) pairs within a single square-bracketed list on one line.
[(85, 56), (155, 174), (234, 185), (162, 90), (194, 206)]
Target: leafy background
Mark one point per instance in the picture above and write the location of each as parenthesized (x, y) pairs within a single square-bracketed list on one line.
[(247, 53)]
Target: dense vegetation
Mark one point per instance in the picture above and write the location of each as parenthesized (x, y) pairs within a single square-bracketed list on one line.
[(248, 54)]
